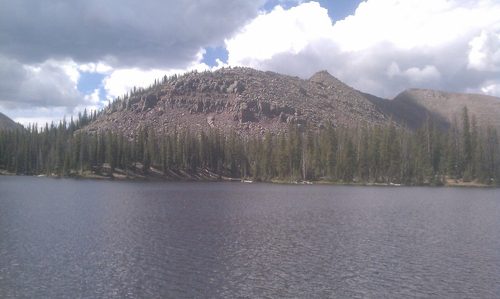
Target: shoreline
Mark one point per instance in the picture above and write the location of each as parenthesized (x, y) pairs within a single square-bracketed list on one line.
[(206, 176)]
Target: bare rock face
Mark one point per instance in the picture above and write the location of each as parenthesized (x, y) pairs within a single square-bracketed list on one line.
[(236, 87), (149, 101), (241, 99)]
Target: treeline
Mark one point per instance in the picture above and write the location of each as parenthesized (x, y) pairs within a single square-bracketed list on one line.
[(380, 154)]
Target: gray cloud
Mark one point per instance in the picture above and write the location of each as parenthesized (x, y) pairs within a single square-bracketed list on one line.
[(123, 33), (46, 86), (385, 71), (37, 34)]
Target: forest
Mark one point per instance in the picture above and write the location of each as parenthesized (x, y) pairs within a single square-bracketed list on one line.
[(379, 154)]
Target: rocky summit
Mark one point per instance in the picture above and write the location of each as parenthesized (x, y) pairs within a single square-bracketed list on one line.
[(252, 102), (240, 99)]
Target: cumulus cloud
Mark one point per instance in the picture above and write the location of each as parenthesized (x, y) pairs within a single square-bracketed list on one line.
[(385, 47), (414, 74), (48, 91), (491, 87), (119, 81), (484, 54), (269, 34), (46, 45), (49, 84), (92, 101), (124, 33), (44, 92)]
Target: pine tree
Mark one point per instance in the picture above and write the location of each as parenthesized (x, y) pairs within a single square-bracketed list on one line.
[(467, 146)]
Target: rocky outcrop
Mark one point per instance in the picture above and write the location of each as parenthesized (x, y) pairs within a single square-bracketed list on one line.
[(149, 101), (241, 99)]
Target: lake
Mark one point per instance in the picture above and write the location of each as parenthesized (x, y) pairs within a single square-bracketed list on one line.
[(63, 238)]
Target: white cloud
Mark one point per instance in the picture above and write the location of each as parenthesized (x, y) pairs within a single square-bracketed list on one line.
[(279, 31), (92, 101), (39, 115), (120, 81), (384, 47), (46, 91), (491, 88), (43, 115), (99, 67), (48, 84), (94, 97), (69, 67), (414, 74), (484, 54), (427, 73), (412, 23), (45, 46)]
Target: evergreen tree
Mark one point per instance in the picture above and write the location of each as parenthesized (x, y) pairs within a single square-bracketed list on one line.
[(467, 146)]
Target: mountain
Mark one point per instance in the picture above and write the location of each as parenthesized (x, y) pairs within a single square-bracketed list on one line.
[(412, 107), (251, 102), (241, 99), (8, 124), (445, 106)]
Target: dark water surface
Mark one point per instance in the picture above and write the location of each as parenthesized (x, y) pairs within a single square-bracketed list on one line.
[(90, 239)]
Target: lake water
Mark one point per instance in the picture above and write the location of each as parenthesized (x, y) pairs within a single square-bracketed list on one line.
[(62, 238)]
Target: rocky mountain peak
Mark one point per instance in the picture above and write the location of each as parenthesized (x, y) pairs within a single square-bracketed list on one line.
[(323, 77), (244, 100), (320, 75)]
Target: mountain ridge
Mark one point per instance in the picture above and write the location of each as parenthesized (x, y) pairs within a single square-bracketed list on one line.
[(7, 123), (449, 105), (251, 102)]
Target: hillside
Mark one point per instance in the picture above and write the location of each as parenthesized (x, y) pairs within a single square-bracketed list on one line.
[(445, 106), (252, 102), (8, 124), (241, 99)]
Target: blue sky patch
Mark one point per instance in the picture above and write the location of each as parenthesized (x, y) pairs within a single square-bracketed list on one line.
[(286, 4), (212, 53), (337, 9), (340, 9), (89, 82)]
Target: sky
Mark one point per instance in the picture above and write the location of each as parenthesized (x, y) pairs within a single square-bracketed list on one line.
[(60, 57)]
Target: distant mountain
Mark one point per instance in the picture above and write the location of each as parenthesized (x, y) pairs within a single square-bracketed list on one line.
[(253, 102), (8, 124), (446, 106), (412, 107)]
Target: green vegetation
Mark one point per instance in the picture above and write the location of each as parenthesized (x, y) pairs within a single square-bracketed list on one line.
[(379, 154)]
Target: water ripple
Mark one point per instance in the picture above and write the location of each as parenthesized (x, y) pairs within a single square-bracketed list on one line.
[(84, 239)]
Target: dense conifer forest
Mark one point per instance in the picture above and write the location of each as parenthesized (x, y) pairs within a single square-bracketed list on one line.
[(378, 154)]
